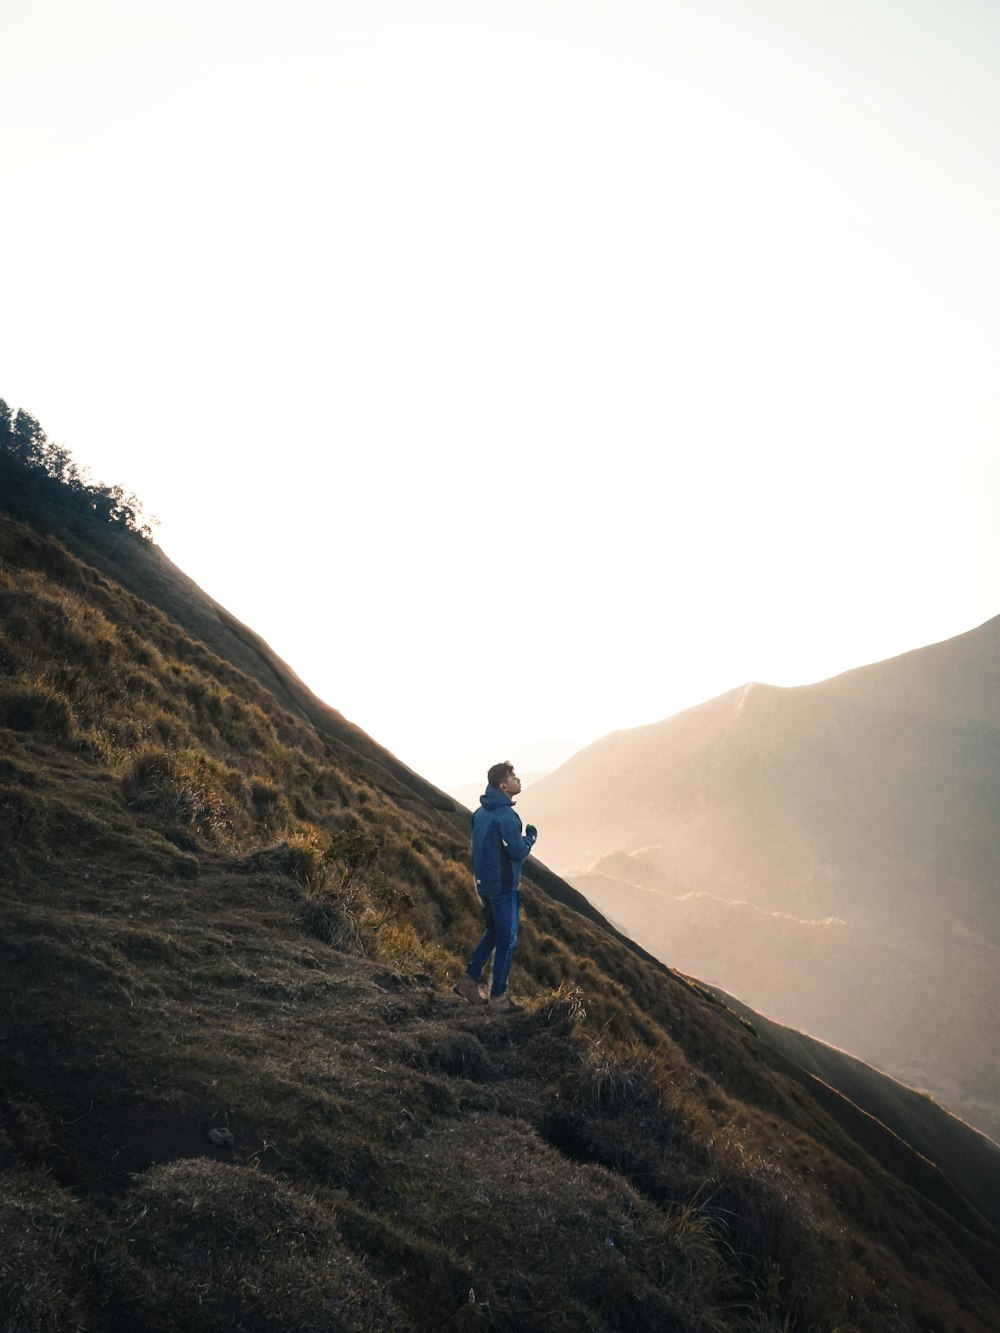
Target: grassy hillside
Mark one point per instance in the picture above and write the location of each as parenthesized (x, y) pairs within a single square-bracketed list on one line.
[(238, 1092), (827, 853)]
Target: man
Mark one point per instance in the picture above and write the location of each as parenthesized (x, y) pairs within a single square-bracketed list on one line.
[(498, 848)]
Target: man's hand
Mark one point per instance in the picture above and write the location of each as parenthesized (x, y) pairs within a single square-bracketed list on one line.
[(531, 834)]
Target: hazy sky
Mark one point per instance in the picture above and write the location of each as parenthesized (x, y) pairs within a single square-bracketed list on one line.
[(524, 370)]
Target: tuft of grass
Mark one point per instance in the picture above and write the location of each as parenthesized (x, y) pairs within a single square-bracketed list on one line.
[(547, 1245), (334, 924), (562, 1011), (616, 1078), (189, 788), (43, 1242), (205, 1245), (35, 706)]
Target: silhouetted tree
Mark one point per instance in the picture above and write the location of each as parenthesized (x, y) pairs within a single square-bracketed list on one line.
[(6, 428), (58, 463), (29, 439), (34, 471)]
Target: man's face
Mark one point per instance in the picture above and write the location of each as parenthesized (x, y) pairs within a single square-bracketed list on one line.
[(511, 785)]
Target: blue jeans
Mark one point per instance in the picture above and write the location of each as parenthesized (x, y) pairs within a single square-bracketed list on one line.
[(500, 915)]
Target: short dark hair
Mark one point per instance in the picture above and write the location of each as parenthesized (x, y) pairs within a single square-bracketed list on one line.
[(498, 772)]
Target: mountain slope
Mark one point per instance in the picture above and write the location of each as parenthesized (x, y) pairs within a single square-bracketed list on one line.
[(827, 853), (217, 920)]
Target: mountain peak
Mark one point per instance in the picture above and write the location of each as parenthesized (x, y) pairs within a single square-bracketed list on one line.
[(870, 797)]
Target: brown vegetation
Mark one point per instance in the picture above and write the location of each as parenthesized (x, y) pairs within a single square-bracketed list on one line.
[(216, 920)]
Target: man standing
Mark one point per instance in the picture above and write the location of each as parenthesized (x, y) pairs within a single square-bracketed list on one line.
[(498, 848)]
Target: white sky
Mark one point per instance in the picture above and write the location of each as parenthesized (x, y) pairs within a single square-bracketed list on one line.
[(524, 370)]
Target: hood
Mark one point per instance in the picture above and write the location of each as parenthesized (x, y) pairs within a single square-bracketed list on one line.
[(492, 798)]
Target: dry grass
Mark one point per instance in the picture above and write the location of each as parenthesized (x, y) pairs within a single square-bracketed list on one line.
[(43, 1234), (212, 921), (205, 1245)]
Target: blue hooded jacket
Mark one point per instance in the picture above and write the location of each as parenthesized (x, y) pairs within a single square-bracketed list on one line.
[(498, 847)]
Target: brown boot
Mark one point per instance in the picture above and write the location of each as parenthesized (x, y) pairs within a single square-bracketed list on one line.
[(469, 990), (503, 1004)]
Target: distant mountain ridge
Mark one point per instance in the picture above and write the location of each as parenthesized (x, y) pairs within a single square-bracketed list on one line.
[(828, 853), (955, 679)]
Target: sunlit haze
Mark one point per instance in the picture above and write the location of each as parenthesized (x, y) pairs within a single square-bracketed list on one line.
[(524, 371)]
